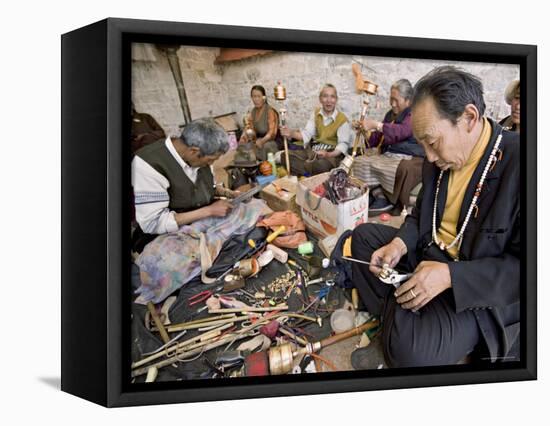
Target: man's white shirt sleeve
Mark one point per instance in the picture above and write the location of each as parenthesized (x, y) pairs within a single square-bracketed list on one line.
[(344, 135), (308, 132), (152, 199)]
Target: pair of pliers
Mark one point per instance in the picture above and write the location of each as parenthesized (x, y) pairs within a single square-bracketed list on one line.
[(203, 295), (200, 297), (387, 275), (390, 276)]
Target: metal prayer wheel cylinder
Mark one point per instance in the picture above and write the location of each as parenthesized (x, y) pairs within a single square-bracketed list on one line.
[(369, 87), (281, 359), (280, 92), (233, 282), (248, 267), (250, 134), (346, 163)]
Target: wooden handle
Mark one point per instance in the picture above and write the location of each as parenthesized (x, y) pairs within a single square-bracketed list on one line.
[(158, 322), (287, 159), (350, 333), (276, 233)]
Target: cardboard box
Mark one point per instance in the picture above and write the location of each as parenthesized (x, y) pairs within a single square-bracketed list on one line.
[(322, 217), (285, 198)]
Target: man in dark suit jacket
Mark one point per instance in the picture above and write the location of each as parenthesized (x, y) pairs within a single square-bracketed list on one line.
[(462, 240)]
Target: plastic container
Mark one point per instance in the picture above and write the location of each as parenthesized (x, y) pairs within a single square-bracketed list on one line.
[(271, 160), (342, 320)]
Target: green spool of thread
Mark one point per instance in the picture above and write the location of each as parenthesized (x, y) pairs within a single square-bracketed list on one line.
[(305, 248)]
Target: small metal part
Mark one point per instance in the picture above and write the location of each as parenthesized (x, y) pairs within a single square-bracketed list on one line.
[(391, 276), (387, 275)]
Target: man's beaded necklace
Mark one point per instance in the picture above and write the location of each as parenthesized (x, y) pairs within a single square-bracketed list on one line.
[(458, 239)]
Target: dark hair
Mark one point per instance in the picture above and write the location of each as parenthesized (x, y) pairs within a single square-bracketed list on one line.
[(451, 90), (258, 88)]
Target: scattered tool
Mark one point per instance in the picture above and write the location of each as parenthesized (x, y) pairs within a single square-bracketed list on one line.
[(280, 359), (235, 266), (387, 275), (275, 234), (203, 296), (321, 294), (302, 284), (248, 194)]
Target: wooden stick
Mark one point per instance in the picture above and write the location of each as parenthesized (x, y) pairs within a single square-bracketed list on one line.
[(160, 326), (206, 319), (300, 340), (350, 333), (248, 309), (203, 342), (287, 156), (178, 346), (171, 360), (152, 374), (181, 327)]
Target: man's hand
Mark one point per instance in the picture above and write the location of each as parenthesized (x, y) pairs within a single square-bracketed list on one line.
[(389, 254), (285, 131), (430, 279), (324, 154), (260, 143), (219, 208)]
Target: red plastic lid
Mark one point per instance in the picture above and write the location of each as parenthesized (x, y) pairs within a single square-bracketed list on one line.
[(385, 217)]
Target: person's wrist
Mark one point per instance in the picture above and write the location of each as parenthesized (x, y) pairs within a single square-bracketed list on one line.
[(448, 283), (400, 245)]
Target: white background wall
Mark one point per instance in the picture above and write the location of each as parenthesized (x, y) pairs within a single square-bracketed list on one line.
[(214, 89), (30, 249)]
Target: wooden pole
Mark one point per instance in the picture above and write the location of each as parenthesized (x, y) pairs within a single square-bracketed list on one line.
[(179, 346), (160, 326), (171, 360), (247, 309), (183, 326)]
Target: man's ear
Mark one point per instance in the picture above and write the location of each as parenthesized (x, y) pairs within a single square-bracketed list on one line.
[(471, 115), (195, 151)]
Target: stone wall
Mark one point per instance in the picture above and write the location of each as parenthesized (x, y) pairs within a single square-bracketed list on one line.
[(217, 89)]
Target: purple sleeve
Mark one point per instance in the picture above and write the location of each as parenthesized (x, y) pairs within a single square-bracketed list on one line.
[(394, 133), (374, 139)]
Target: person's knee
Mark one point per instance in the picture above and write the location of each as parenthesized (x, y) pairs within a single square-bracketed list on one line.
[(405, 349), (401, 352), (361, 240)]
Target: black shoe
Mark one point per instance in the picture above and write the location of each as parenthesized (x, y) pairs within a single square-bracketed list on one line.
[(370, 357), (396, 211), (380, 205)]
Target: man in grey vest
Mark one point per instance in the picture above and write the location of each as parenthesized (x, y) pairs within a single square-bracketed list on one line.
[(173, 181)]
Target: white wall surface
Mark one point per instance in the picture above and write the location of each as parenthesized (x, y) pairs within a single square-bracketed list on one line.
[(214, 89)]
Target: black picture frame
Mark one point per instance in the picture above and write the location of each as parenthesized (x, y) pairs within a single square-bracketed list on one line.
[(95, 202)]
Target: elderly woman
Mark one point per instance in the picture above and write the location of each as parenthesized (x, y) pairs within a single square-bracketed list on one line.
[(264, 120), (511, 95), (399, 167), (173, 181)]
